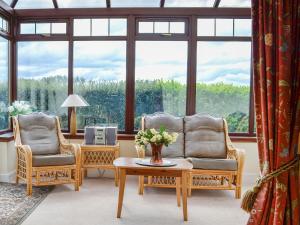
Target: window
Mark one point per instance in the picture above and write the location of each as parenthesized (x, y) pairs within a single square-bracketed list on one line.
[(162, 27), (135, 3), (223, 82), (81, 3), (3, 25), (100, 78), (43, 76), (189, 3), (4, 73), (100, 27), (161, 74), (34, 4), (43, 28), (224, 27)]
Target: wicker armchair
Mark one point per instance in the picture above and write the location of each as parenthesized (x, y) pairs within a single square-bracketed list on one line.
[(204, 141), (43, 155)]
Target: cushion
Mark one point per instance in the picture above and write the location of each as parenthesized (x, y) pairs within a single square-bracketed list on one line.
[(204, 137), (38, 130), (213, 164), (172, 124), (53, 160)]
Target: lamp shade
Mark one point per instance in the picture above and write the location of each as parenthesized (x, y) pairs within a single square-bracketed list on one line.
[(74, 101)]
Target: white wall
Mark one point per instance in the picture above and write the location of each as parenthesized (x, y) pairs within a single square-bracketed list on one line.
[(8, 158)]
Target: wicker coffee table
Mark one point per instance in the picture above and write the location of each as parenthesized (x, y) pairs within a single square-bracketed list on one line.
[(128, 166)]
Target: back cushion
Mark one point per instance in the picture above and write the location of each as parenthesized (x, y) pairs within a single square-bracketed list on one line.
[(38, 130), (172, 124), (204, 137)]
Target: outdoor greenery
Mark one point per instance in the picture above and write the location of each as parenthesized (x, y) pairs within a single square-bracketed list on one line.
[(107, 100)]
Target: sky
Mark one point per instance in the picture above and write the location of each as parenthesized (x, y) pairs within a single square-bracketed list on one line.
[(227, 62)]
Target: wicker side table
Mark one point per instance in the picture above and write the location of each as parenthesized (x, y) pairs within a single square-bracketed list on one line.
[(99, 157)]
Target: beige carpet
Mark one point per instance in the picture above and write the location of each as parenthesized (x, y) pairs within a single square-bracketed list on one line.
[(96, 204)]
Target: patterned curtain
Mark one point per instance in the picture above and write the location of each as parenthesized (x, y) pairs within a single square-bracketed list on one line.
[(276, 68)]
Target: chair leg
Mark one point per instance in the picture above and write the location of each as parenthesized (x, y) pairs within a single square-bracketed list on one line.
[(77, 179), (17, 179), (141, 185), (29, 187), (178, 191), (238, 192)]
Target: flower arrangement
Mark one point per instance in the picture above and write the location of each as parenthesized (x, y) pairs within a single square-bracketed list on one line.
[(20, 108), (152, 136)]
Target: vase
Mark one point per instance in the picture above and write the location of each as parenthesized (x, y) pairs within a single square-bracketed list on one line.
[(156, 154)]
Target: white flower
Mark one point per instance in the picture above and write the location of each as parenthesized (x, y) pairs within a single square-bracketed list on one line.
[(153, 131), (153, 139), (158, 137), (10, 109)]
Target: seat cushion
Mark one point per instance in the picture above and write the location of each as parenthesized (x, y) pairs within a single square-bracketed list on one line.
[(38, 130), (213, 164), (204, 137), (53, 160), (172, 124)]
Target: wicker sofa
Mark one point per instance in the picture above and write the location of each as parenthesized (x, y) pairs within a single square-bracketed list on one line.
[(43, 155), (203, 140)]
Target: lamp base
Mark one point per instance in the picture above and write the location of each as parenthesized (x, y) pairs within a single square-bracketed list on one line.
[(73, 125)]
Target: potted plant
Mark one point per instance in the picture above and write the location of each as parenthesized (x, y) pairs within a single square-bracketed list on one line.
[(20, 108), (157, 139)]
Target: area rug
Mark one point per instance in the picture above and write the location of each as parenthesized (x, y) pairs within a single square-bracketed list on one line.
[(15, 205)]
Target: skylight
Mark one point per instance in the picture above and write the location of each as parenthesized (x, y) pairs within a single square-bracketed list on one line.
[(81, 3), (135, 3), (34, 4)]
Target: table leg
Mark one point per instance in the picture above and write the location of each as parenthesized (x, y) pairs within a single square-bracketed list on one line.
[(84, 172), (121, 191), (184, 194), (178, 194), (141, 185), (116, 177)]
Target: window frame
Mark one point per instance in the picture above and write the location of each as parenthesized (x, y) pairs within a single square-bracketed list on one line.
[(8, 36), (133, 16)]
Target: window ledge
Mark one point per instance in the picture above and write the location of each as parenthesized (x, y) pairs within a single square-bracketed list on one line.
[(8, 136)]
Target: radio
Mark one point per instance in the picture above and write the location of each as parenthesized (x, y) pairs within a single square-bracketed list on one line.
[(100, 135)]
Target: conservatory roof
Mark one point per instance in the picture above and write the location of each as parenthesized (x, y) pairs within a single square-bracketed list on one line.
[(48, 4)]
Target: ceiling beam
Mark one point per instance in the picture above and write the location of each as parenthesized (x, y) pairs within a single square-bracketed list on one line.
[(108, 5), (93, 12), (217, 3), (13, 3), (5, 8), (162, 3), (55, 4)]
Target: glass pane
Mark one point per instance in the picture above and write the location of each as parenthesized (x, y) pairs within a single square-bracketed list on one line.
[(146, 27), (161, 27), (223, 82), (27, 28), (224, 27), (206, 27), (4, 93), (242, 27), (43, 28), (81, 3), (8, 2), (161, 74), (118, 27), (34, 4), (235, 3), (100, 78), (189, 3), (59, 28), (177, 27), (3, 24), (82, 27), (99, 27), (43, 76), (135, 3)]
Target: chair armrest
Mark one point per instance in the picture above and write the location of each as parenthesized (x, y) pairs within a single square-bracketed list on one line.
[(24, 154), (140, 151), (238, 155), (71, 149)]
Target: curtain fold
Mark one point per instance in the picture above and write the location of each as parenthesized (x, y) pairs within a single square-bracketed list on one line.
[(276, 78)]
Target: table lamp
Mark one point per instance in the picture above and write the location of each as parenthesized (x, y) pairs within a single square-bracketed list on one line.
[(74, 101)]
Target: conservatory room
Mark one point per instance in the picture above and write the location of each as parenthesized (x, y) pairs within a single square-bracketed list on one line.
[(149, 112)]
